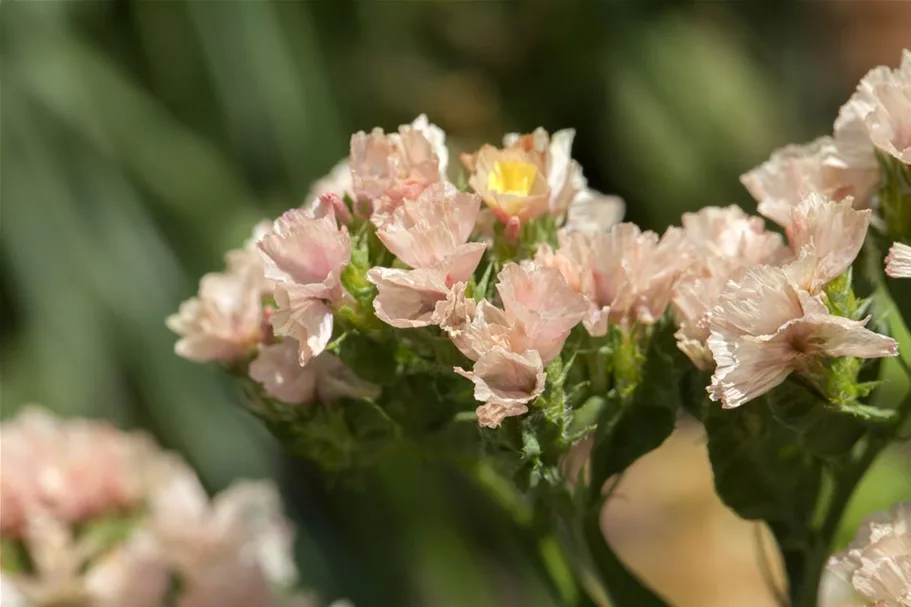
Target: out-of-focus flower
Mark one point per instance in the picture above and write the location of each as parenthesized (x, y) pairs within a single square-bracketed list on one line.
[(877, 564), (305, 254), (510, 347), (795, 171), (898, 261), (626, 275), (592, 212), (69, 471), (764, 328), (430, 235), (693, 299), (398, 165), (324, 379), (881, 107), (830, 234)]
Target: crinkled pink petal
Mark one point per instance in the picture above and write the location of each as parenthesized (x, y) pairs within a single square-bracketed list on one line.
[(303, 318), (408, 298), (306, 250), (747, 368), (835, 231), (425, 231), (898, 261), (278, 369), (592, 212), (505, 382)]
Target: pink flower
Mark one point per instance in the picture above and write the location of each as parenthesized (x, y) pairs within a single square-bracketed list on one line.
[(225, 320), (832, 231), (882, 107), (731, 235), (324, 379), (435, 226), (898, 261), (794, 172), (592, 212), (430, 235), (877, 564), (693, 299), (399, 165), (71, 471), (305, 254), (505, 381), (510, 347), (540, 307), (626, 275), (764, 328)]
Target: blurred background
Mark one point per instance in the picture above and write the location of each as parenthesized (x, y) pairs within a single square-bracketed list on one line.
[(140, 140)]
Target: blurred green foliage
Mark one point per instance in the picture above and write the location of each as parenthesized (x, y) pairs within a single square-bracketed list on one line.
[(140, 140)]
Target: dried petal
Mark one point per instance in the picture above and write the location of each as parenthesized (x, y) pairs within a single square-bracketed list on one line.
[(898, 262), (505, 382)]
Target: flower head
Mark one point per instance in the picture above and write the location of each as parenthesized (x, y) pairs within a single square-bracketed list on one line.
[(795, 171), (398, 165), (877, 564), (225, 320), (305, 254), (831, 233), (324, 379), (764, 328), (882, 107), (505, 382), (626, 275), (898, 261), (435, 226)]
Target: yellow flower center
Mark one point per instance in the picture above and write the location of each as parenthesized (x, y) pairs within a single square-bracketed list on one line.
[(512, 178)]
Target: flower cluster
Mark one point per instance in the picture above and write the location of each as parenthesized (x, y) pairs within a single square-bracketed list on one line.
[(95, 516), (877, 564)]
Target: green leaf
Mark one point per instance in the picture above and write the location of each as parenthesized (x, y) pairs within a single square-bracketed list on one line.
[(369, 359)]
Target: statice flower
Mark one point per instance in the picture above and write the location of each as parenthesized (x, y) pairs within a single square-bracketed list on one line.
[(879, 112), (823, 166), (225, 320), (61, 479), (511, 346), (877, 564), (626, 275), (387, 168), (305, 253), (723, 242), (830, 234), (534, 175), (765, 327), (898, 261), (324, 379), (429, 234)]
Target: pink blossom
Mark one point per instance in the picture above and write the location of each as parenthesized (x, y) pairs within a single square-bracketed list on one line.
[(540, 307), (225, 320), (793, 172), (337, 181), (592, 212), (399, 165), (898, 262), (435, 226), (764, 328), (881, 106), (833, 231), (877, 564), (505, 381), (324, 379), (305, 254), (417, 298), (731, 235), (511, 182), (626, 275), (71, 471)]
